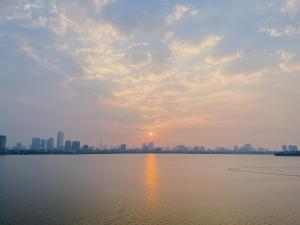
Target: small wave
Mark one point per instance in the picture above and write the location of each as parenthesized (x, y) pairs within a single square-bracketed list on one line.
[(257, 170)]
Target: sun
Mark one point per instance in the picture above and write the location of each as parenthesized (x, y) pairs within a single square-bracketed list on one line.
[(151, 133)]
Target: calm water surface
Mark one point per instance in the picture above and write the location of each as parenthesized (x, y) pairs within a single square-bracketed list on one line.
[(149, 189)]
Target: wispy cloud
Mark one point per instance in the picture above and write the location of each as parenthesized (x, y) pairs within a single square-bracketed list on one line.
[(288, 62), (289, 30), (179, 12), (291, 6), (273, 32)]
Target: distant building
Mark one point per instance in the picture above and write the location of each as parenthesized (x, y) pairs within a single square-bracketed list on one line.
[(220, 149), (292, 148), (50, 144), (76, 146), (36, 143), (202, 148), (144, 147), (43, 144), (19, 146), (158, 149), (235, 148), (85, 148), (248, 147), (60, 140), (151, 146), (123, 148), (68, 145), (196, 149), (181, 148), (284, 148), (2, 143)]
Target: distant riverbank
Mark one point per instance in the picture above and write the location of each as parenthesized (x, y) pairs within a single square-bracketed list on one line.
[(34, 152)]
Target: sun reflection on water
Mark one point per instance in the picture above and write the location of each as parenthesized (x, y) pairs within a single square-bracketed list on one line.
[(151, 180)]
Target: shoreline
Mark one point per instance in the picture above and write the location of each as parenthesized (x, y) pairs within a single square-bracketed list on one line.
[(29, 152)]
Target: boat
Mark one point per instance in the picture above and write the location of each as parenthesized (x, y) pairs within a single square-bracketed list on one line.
[(287, 153)]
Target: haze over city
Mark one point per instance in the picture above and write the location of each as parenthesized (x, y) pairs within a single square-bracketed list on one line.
[(212, 73)]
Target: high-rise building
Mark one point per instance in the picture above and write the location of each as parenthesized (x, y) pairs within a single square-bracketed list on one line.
[(151, 146), (235, 148), (68, 145), (292, 148), (43, 144), (144, 147), (36, 143), (196, 148), (181, 148), (248, 147), (50, 144), (60, 140), (284, 148), (19, 146), (76, 146), (85, 148), (2, 143), (123, 148)]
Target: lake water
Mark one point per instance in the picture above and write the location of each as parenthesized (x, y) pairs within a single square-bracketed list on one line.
[(149, 189)]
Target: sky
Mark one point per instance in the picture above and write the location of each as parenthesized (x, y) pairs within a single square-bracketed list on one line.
[(212, 73)]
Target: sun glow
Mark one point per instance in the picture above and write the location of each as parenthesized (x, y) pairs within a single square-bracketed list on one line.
[(151, 133)]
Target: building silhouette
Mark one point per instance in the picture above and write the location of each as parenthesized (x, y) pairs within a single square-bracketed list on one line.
[(68, 145), (144, 147), (19, 146), (85, 148), (181, 148), (123, 148), (50, 144), (151, 146), (292, 148), (43, 144), (60, 140), (284, 148), (2, 143), (76, 146), (36, 143)]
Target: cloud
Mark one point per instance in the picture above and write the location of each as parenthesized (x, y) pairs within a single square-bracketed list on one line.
[(288, 63), (180, 11), (102, 3), (291, 7), (183, 48), (224, 59), (292, 30), (273, 32), (289, 31)]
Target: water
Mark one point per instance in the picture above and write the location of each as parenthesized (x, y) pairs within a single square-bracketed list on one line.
[(149, 189)]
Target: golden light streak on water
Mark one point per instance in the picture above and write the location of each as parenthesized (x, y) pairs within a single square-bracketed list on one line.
[(151, 181)]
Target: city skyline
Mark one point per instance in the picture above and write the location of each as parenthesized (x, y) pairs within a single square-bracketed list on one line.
[(68, 145), (101, 143), (122, 71)]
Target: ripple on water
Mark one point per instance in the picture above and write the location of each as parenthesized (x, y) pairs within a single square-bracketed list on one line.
[(276, 171)]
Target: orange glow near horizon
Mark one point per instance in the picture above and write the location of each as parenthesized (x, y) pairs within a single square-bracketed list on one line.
[(151, 180)]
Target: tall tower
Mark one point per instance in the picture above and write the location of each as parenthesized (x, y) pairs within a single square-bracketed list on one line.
[(60, 140)]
